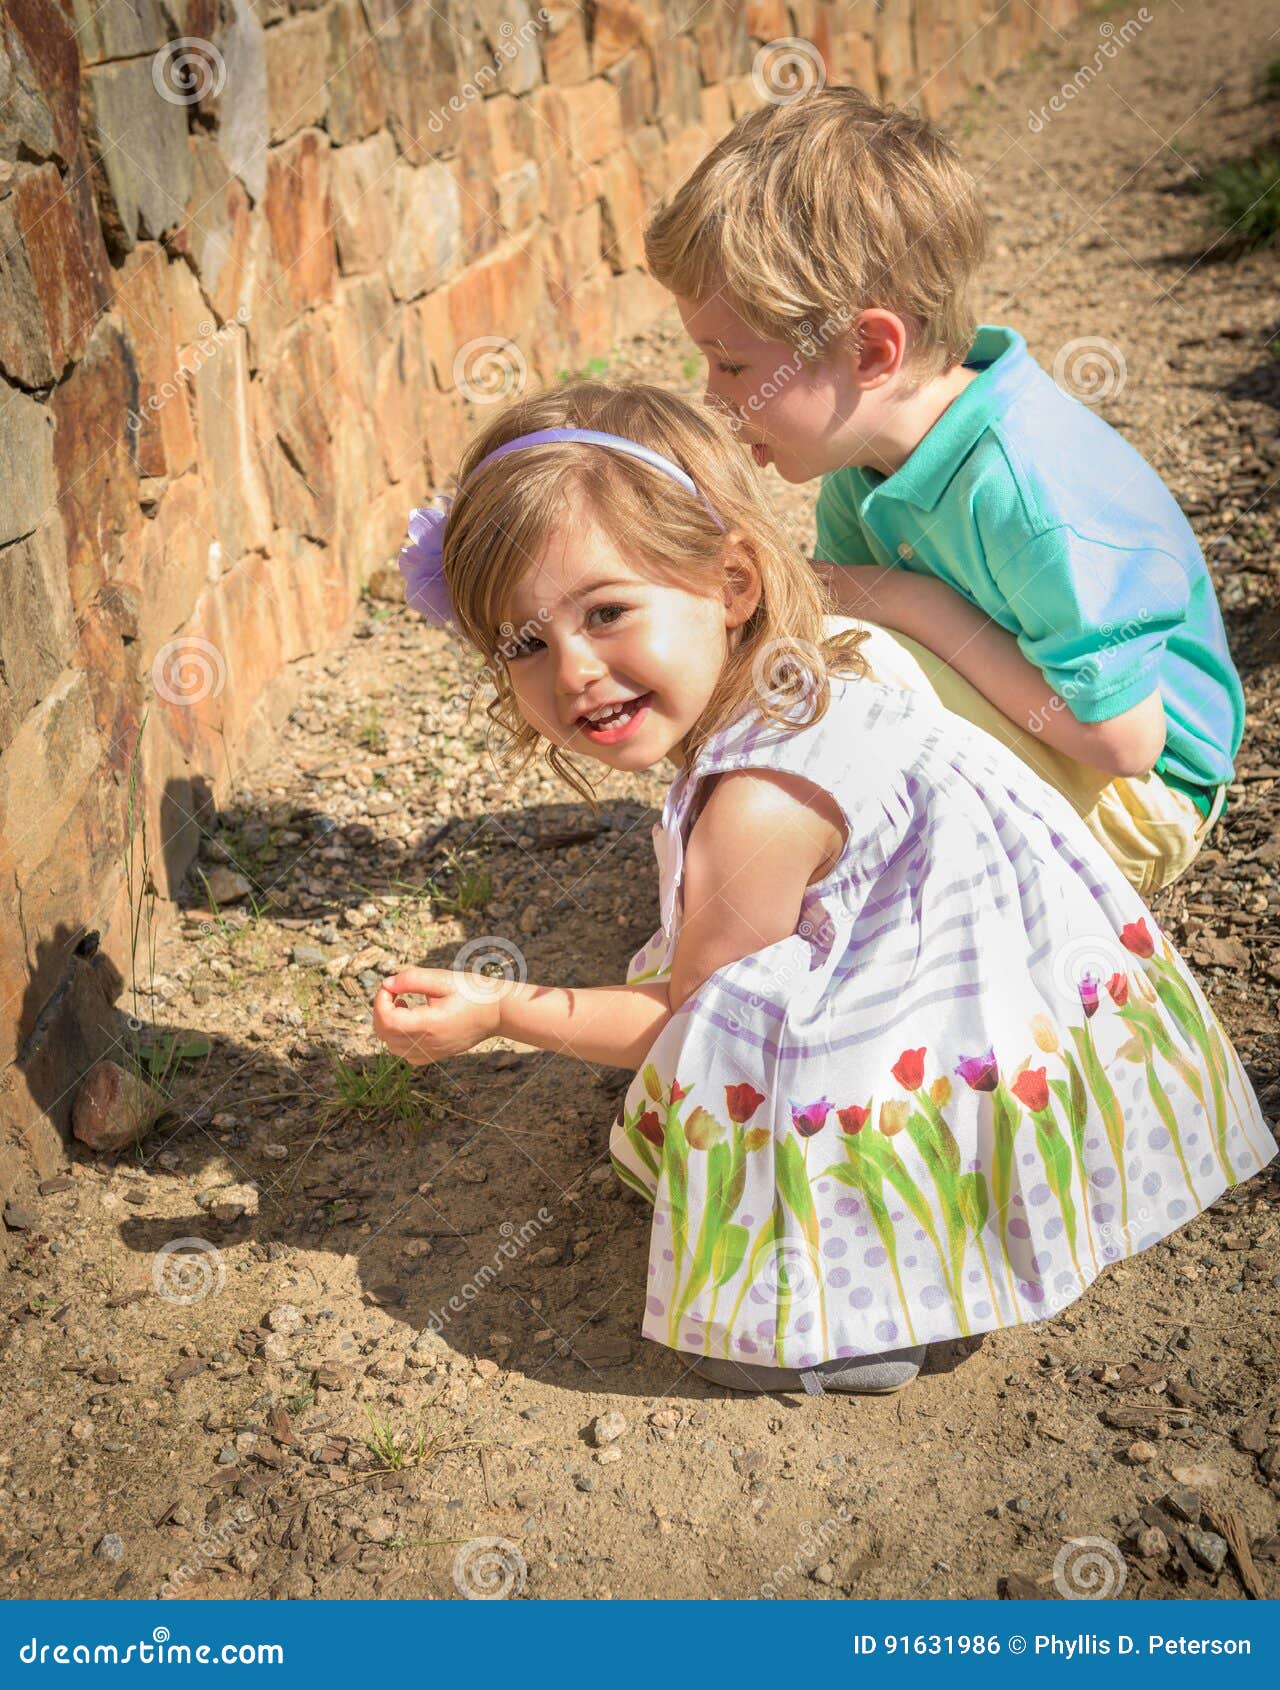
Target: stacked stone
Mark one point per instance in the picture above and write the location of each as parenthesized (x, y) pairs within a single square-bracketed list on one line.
[(261, 264)]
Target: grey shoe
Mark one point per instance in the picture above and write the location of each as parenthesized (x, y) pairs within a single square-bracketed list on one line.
[(874, 1375)]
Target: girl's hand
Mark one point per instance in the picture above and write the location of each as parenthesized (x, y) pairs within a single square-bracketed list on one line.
[(461, 1009)]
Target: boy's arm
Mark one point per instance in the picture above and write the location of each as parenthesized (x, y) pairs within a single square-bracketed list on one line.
[(928, 610)]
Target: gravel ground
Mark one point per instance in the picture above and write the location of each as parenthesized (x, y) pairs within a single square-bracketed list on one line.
[(269, 1413)]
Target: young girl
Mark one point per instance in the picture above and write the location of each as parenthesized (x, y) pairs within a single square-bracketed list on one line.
[(913, 1060)]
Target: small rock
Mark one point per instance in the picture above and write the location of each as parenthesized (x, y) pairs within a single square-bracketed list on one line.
[(824, 1574), (111, 1548), (607, 1457), (471, 1173), (584, 1481), (487, 1368), (1197, 1476), (380, 1529), (226, 886), (1151, 1543), (307, 956), (390, 1368), (544, 1257), (1183, 1503), (1021, 1505), (607, 1428), (1208, 1548), (1140, 1452), (113, 1108), (276, 1152), (221, 1200), (275, 1348), (18, 1218), (667, 1419), (285, 1318)]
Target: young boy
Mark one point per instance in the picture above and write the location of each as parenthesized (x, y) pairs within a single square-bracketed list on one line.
[(1025, 562)]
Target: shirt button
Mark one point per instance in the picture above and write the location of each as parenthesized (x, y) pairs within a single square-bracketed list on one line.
[(904, 550)]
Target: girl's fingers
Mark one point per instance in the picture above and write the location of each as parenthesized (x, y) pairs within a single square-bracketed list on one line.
[(427, 982)]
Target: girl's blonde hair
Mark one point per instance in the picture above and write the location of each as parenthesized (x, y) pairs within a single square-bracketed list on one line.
[(810, 211), (505, 514)]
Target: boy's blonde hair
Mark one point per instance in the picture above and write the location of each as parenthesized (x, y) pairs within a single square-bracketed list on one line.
[(808, 212), (505, 514)]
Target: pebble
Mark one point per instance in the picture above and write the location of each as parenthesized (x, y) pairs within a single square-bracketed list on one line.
[(1208, 1548), (1140, 1452), (584, 1481), (276, 1152), (110, 1547), (285, 1318), (607, 1457), (307, 956), (607, 1428), (824, 1574)]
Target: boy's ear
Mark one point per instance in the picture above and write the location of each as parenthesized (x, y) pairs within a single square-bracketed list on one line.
[(743, 582), (878, 346)]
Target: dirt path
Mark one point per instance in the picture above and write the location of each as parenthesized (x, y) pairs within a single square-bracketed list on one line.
[(221, 1444)]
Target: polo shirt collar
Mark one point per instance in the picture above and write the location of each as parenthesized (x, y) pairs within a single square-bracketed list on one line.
[(926, 473)]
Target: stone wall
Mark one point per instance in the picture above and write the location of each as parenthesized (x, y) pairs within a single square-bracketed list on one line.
[(254, 259)]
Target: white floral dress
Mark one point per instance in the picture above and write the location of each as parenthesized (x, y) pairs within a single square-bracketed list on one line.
[(974, 1074)]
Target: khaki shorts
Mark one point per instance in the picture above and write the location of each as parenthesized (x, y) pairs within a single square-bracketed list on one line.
[(1150, 830)]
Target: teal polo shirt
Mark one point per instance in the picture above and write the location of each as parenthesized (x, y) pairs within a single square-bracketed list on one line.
[(1036, 510)]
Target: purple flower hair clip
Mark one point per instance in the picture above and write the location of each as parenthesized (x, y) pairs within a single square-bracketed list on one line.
[(422, 564)]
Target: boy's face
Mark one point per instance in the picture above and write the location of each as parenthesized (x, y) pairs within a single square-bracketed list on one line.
[(806, 418), (594, 631)]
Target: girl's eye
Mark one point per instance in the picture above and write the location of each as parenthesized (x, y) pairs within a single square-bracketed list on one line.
[(525, 648), (611, 612), (731, 369)]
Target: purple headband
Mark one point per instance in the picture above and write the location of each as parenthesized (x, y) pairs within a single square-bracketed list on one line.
[(422, 560)]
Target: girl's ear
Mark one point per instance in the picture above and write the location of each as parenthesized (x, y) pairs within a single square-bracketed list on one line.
[(743, 582)]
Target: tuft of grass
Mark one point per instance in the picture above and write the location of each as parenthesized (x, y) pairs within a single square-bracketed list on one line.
[(690, 366), (1245, 201), (372, 734), (303, 1398), (593, 367), (472, 886), (382, 1087), (396, 1450)]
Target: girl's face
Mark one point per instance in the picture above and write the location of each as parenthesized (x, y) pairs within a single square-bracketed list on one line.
[(609, 664)]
